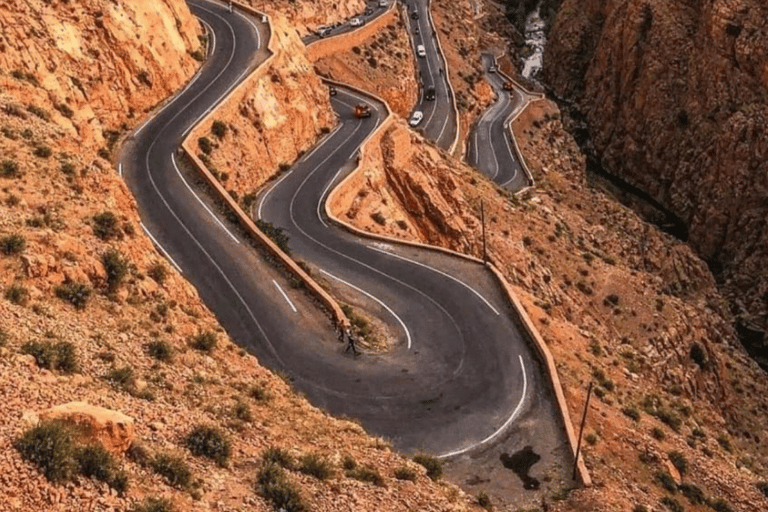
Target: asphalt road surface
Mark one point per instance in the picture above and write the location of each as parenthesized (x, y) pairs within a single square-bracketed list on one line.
[(459, 377), (440, 122), (490, 146), (373, 10)]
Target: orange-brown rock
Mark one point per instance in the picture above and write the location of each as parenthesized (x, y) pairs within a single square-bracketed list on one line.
[(674, 98), (114, 430)]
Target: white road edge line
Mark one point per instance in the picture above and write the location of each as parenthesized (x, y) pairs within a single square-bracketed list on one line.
[(407, 333), (173, 159), (501, 428), (284, 296), (160, 247), (120, 169), (462, 283)]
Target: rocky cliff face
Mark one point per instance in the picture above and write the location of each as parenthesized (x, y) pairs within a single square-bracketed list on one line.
[(675, 96), (279, 112), (618, 302), (95, 64), (308, 16)]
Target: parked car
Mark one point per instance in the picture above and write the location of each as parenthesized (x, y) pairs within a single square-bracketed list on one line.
[(416, 118), (356, 22), (421, 51), (368, 11), (383, 3), (492, 69), (323, 31)]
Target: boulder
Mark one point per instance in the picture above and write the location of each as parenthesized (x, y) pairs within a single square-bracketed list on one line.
[(114, 430)]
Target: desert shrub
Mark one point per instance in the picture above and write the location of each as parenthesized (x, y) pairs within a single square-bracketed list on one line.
[(631, 412), (640, 508), (3, 337), (316, 466), (39, 112), (433, 466), (68, 168), (699, 356), (205, 145), (207, 441), (173, 469), (65, 110), (219, 129), (116, 267), (591, 438), (76, 294), (121, 378), (720, 505), (59, 356), (273, 485), (158, 272), (405, 473), (665, 480), (725, 443), (198, 55), (679, 461), (106, 226), (276, 234), (9, 169), (154, 505), (484, 501), (379, 218), (763, 488), (276, 455), (12, 244), (348, 463), (160, 350), (672, 504), (51, 447), (366, 474), (693, 493), (17, 294), (259, 393), (242, 411), (42, 151), (204, 341), (658, 434), (95, 462)]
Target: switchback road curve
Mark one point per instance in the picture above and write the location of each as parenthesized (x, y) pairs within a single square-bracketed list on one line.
[(490, 147), (460, 374)]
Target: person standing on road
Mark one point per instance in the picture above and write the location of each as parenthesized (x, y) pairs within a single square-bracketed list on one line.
[(351, 345)]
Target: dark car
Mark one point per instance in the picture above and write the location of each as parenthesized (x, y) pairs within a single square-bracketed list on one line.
[(331, 90), (429, 94), (415, 15)]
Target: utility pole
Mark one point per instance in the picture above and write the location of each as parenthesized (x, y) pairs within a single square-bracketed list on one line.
[(581, 429), (482, 220)]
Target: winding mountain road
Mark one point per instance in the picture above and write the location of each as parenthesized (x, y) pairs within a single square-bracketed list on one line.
[(460, 377), (490, 148)]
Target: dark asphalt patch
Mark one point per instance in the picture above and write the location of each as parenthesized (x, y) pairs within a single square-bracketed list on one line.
[(521, 462)]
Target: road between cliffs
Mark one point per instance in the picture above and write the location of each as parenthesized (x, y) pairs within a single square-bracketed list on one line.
[(461, 372), (490, 148)]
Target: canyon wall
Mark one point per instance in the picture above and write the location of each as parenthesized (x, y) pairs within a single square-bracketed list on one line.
[(675, 98)]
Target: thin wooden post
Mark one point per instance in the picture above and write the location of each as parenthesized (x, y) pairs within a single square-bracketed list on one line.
[(581, 430), (482, 220)]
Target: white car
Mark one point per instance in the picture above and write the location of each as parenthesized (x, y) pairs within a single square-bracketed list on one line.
[(416, 118), (356, 22), (383, 3), (421, 51), (323, 31), (492, 69)]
